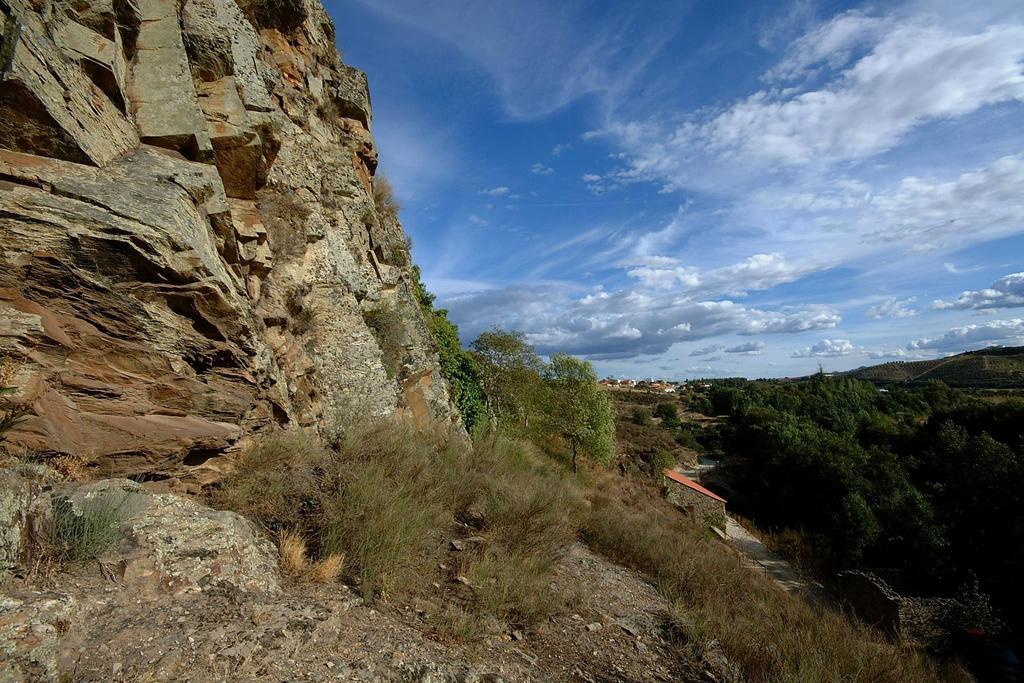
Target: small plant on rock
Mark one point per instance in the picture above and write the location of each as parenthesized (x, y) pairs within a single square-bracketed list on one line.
[(88, 533)]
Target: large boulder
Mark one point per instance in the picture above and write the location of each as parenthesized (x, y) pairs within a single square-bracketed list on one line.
[(172, 545)]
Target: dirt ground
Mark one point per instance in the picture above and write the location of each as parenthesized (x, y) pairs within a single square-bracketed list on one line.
[(309, 633)]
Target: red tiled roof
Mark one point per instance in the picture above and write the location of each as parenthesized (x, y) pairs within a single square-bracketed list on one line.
[(690, 483)]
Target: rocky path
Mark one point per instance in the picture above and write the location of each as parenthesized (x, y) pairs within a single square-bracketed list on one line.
[(777, 569)]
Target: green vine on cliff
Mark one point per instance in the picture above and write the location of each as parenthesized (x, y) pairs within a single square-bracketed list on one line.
[(457, 365)]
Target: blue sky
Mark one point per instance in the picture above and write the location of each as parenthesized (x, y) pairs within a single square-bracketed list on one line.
[(687, 189)]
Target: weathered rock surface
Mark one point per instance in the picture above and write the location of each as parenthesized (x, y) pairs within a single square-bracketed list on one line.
[(189, 241), (174, 546)]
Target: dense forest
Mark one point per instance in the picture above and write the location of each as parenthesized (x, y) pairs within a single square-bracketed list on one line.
[(926, 481)]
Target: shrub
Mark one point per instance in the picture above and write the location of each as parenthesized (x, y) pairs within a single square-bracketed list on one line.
[(284, 216), (10, 416), (88, 533), (640, 416), (275, 481), (384, 198), (301, 315), (667, 411), (387, 328), (661, 461)]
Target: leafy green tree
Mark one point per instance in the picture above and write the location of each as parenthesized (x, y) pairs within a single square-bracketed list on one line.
[(510, 373), (578, 410)]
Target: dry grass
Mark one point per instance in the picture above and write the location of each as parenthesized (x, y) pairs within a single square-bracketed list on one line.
[(380, 508), (86, 533), (291, 547), (327, 570), (384, 198), (717, 602)]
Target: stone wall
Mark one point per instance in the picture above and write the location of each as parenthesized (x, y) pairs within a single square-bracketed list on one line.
[(918, 621), (706, 511), (189, 240)]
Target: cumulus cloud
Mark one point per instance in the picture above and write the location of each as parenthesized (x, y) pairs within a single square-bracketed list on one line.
[(828, 348), (991, 333), (1006, 292), (749, 349), (540, 169), (622, 324), (892, 308)]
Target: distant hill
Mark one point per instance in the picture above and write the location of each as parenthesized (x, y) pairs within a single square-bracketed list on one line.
[(1001, 367)]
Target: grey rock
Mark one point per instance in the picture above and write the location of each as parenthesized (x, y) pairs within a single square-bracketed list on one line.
[(49, 106), (31, 629), (175, 546), (162, 93)]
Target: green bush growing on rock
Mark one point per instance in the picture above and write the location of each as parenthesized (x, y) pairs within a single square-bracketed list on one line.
[(85, 534)]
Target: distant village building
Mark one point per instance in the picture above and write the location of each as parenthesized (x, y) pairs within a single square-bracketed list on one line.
[(707, 507)]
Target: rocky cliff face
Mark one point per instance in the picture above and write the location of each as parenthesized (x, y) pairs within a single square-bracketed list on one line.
[(190, 248)]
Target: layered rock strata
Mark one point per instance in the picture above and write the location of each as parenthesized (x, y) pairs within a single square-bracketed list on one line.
[(190, 246)]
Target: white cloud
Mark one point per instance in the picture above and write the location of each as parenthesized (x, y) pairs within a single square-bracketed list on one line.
[(476, 220), (500, 191), (541, 56), (895, 354), (540, 169), (968, 337), (622, 324), (757, 272), (708, 350), (1006, 292), (749, 349), (954, 269), (829, 45), (828, 348), (591, 178), (892, 308), (559, 148), (912, 74)]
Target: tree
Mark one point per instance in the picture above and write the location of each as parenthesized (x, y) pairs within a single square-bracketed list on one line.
[(578, 410), (510, 372), (669, 414)]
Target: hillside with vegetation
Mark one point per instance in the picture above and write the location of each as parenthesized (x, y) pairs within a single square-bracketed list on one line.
[(998, 367), (923, 483)]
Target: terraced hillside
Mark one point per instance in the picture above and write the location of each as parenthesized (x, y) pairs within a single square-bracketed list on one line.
[(996, 367)]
